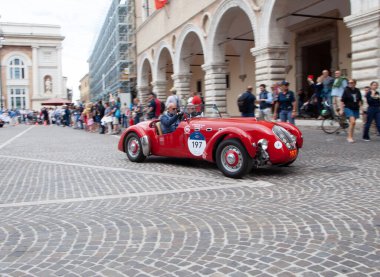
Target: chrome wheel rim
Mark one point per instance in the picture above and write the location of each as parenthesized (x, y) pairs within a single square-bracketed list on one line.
[(232, 158), (133, 147)]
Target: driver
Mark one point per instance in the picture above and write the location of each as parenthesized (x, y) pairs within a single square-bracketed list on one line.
[(170, 119)]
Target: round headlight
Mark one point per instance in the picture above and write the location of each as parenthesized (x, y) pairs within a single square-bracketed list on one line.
[(293, 137), (263, 143)]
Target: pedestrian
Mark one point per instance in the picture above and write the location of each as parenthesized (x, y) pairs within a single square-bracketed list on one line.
[(88, 114), (57, 115), (246, 103), (285, 107), (123, 111), (316, 98), (107, 119), (301, 95), (116, 114), (51, 116), (197, 101), (45, 116), (350, 105), (100, 114), (340, 83), (327, 83), (13, 117), (137, 111), (66, 116), (275, 91), (373, 110), (265, 103), (173, 98), (151, 108)]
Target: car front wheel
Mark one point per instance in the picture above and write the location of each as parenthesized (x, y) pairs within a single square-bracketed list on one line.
[(233, 159), (133, 148)]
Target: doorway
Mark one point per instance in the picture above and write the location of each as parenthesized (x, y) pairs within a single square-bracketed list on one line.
[(315, 58)]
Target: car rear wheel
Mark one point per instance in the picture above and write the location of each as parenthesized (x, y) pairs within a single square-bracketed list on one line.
[(232, 158), (133, 148)]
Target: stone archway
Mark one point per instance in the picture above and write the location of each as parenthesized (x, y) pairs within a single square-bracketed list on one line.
[(163, 71), (230, 66), (283, 27), (188, 74), (144, 78)]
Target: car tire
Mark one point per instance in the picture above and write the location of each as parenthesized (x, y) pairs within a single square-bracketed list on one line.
[(233, 159), (133, 148)]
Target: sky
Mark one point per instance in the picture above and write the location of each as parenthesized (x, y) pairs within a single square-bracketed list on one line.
[(80, 22)]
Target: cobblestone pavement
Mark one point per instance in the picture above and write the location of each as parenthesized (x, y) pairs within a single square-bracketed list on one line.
[(72, 205)]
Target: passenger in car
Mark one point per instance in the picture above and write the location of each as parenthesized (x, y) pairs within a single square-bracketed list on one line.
[(191, 111), (171, 119)]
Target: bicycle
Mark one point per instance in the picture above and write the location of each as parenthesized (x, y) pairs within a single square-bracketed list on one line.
[(333, 123)]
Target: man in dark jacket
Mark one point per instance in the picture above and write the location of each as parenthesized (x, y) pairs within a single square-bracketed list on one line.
[(171, 119), (248, 102)]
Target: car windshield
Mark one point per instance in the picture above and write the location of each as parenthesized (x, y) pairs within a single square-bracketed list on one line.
[(208, 110)]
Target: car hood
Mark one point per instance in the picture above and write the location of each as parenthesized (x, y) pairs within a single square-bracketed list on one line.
[(240, 122)]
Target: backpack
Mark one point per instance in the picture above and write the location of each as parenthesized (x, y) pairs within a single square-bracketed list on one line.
[(242, 103), (160, 107)]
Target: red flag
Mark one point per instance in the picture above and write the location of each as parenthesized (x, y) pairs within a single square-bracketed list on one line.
[(160, 3)]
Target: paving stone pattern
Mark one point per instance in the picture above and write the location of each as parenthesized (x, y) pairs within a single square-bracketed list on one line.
[(72, 205)]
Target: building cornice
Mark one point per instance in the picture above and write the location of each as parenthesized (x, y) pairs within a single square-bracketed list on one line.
[(356, 20)]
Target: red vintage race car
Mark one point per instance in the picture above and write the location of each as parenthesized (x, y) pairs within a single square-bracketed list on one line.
[(236, 145)]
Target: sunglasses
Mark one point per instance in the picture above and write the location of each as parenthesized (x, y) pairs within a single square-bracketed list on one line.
[(351, 82)]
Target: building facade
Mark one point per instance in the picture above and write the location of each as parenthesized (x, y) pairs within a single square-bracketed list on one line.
[(31, 65), (112, 63), (84, 89), (219, 47)]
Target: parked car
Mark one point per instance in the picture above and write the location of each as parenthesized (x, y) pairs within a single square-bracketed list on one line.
[(236, 145), (4, 119)]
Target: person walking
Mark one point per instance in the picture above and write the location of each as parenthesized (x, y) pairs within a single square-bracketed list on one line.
[(373, 110), (265, 103), (350, 105), (338, 87), (246, 103), (285, 107)]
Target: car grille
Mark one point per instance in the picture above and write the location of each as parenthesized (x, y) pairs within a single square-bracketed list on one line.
[(283, 135)]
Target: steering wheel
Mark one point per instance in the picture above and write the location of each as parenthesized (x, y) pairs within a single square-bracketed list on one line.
[(184, 116)]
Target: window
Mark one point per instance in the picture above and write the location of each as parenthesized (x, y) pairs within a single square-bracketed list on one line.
[(18, 98), (16, 69)]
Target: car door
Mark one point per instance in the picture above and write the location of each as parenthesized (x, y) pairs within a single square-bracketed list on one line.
[(172, 144)]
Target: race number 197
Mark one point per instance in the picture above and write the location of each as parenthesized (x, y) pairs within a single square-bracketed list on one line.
[(196, 143)]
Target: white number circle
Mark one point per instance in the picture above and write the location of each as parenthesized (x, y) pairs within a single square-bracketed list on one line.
[(196, 144)]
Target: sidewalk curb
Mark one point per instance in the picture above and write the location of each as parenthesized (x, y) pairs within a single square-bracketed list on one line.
[(316, 123)]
